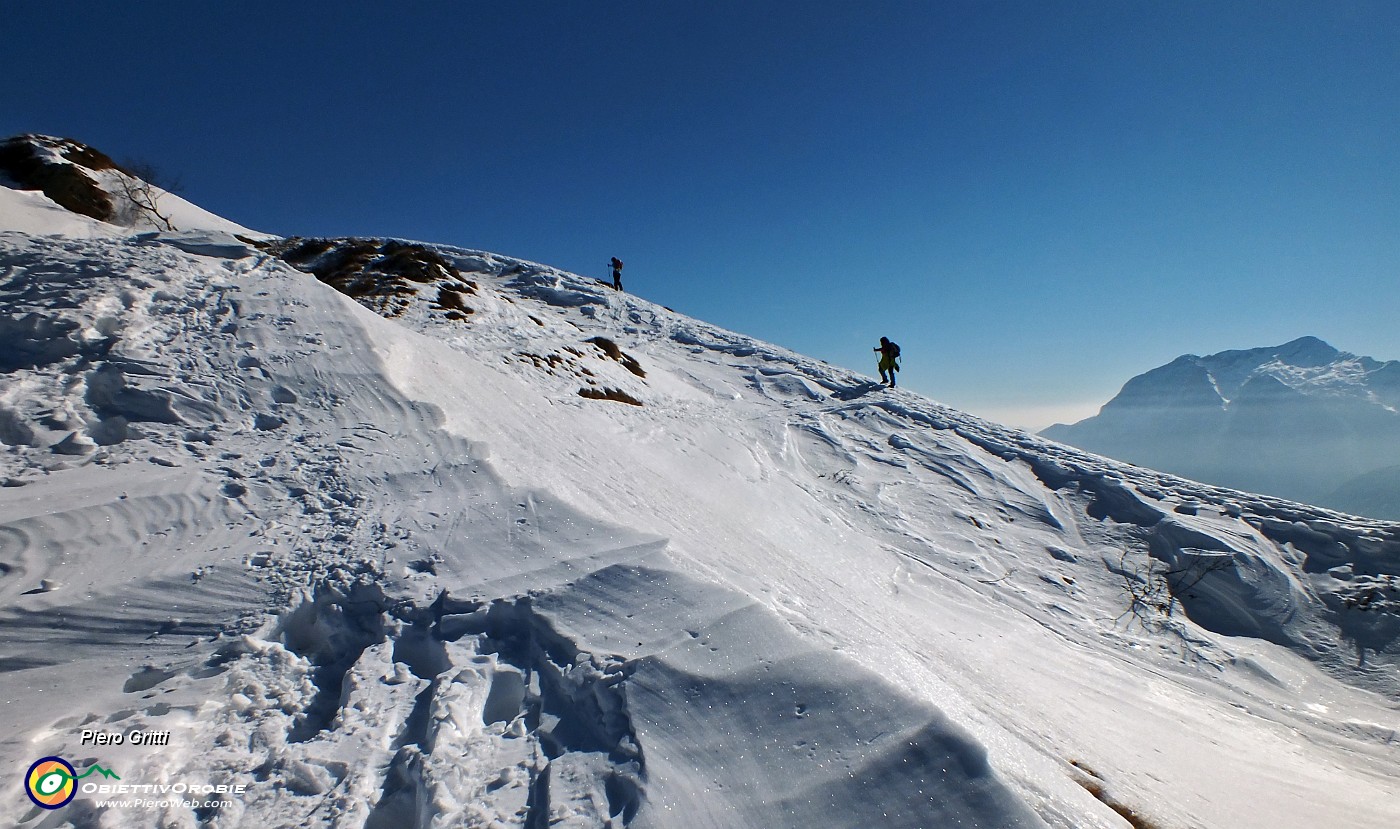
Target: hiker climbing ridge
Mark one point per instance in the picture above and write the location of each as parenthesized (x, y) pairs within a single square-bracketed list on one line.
[(616, 265), (889, 360)]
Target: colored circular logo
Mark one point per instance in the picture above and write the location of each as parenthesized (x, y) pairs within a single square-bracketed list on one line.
[(50, 783)]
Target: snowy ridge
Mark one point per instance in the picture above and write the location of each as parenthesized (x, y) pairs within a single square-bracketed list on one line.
[(1160, 507), (532, 552)]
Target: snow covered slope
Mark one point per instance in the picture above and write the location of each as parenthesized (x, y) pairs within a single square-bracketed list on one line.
[(521, 550)]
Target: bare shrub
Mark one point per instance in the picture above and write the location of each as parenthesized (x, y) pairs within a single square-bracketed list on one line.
[(143, 197), (1155, 591)]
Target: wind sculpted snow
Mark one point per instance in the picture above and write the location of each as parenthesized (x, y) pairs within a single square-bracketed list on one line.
[(252, 459), (389, 573)]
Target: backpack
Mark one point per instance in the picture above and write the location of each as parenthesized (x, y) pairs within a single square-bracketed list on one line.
[(894, 351)]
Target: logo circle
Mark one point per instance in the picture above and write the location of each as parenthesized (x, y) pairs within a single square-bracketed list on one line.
[(50, 783)]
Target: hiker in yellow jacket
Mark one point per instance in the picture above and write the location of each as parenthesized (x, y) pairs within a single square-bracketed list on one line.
[(889, 360)]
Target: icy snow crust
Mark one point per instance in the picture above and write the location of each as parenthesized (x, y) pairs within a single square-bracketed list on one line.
[(394, 573)]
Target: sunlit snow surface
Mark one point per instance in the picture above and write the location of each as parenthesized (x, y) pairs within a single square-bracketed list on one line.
[(400, 572)]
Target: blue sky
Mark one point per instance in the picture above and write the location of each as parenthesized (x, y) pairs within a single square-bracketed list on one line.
[(1037, 200)]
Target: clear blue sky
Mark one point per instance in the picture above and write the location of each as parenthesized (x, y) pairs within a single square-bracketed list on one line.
[(1036, 199)]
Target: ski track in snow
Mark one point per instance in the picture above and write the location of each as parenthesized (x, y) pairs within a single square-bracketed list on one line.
[(392, 580)]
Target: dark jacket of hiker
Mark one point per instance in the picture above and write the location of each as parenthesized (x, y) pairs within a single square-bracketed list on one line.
[(616, 265)]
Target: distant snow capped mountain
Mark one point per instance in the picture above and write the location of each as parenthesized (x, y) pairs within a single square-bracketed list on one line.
[(1302, 420)]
